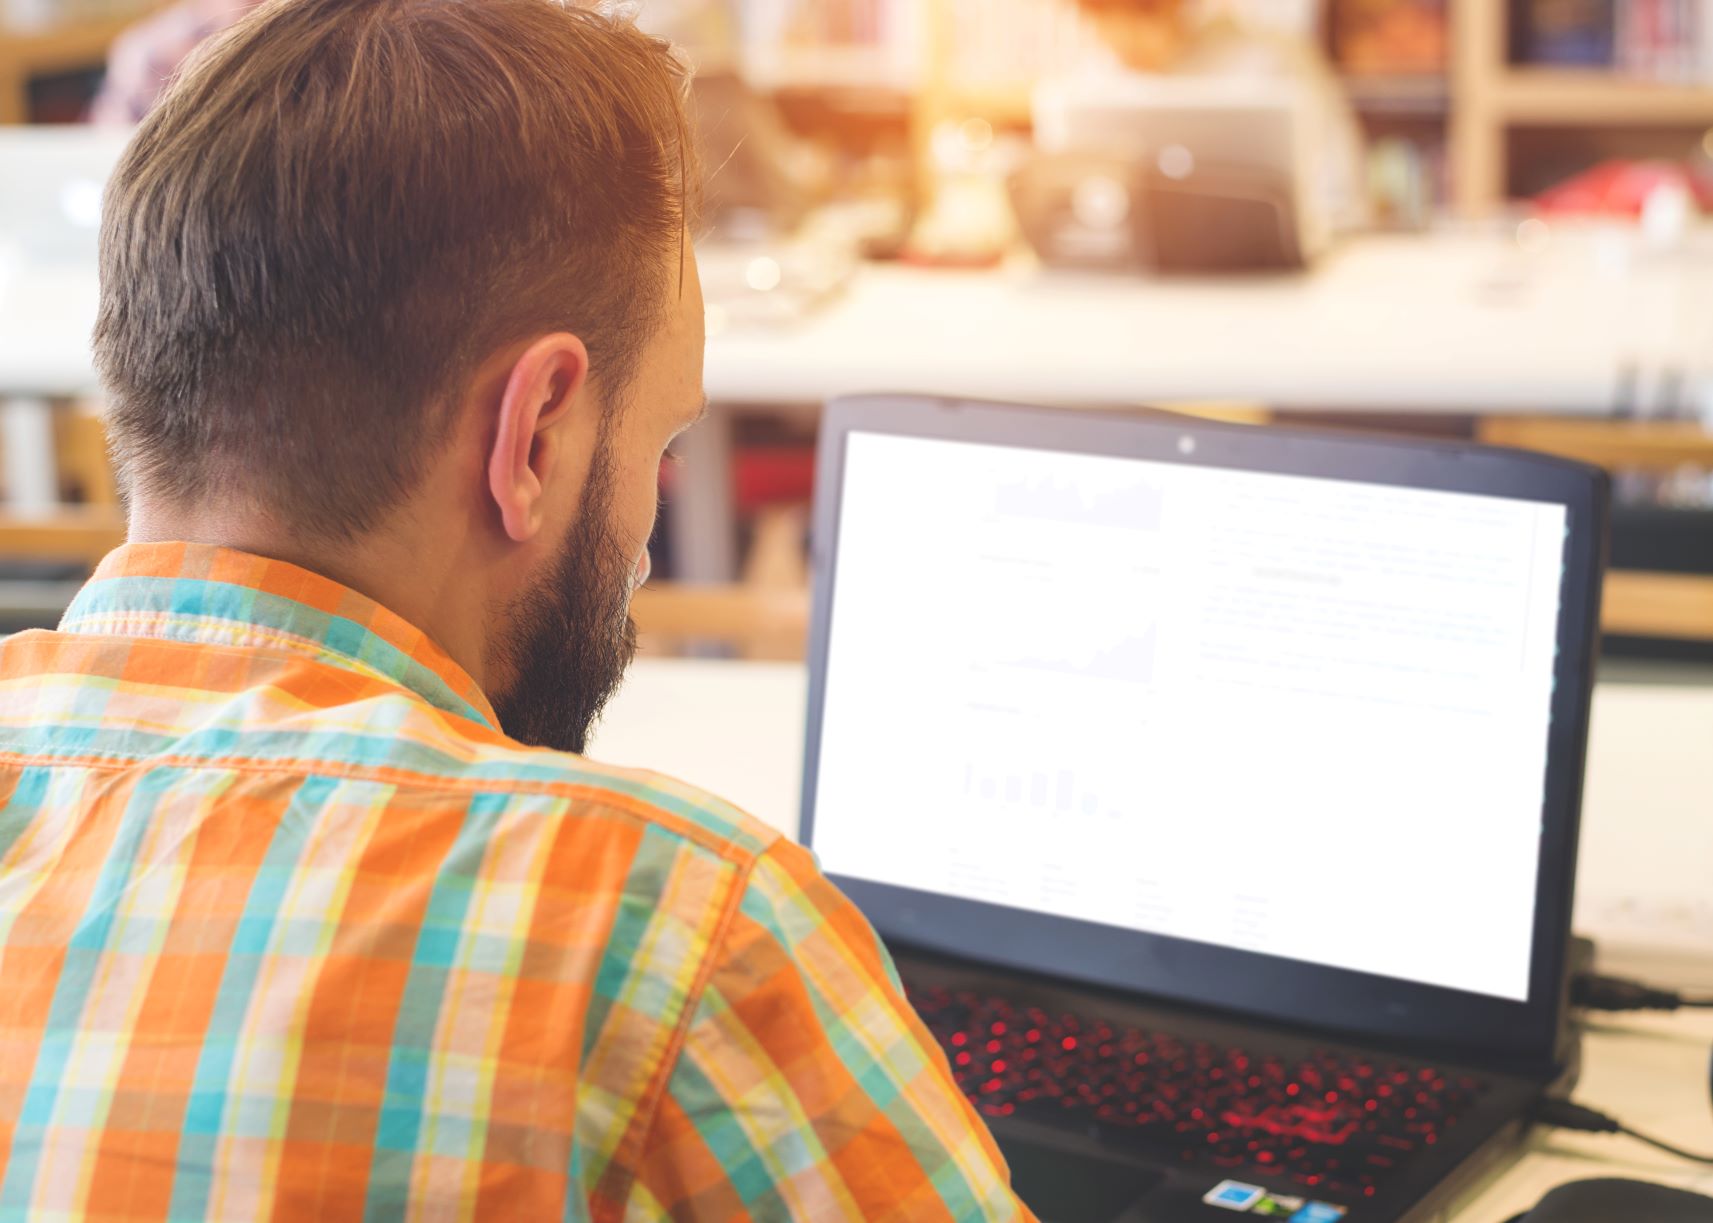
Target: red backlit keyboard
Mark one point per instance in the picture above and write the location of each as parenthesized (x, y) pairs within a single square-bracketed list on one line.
[(1327, 1120)]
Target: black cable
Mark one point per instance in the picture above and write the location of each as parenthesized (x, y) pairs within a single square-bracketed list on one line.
[(1666, 1146), (1567, 1116), (1594, 992)]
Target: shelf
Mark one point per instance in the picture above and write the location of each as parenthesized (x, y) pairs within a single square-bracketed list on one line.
[(1644, 604), (1596, 98), (61, 48), (1425, 95), (997, 102), (84, 533), (29, 53)]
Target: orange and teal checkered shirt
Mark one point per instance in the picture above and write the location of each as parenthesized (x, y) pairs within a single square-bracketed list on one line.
[(289, 929)]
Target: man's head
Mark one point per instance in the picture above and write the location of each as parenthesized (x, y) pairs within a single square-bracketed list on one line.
[(400, 289)]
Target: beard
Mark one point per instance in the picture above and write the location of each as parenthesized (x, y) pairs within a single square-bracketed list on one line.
[(571, 634)]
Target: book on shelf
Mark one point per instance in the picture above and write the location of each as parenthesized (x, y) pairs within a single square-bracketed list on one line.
[(1568, 33), (1390, 37), (1669, 41), (1406, 182)]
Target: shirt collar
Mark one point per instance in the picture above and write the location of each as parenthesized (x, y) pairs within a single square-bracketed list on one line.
[(220, 596)]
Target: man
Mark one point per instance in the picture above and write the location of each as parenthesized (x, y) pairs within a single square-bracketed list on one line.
[(307, 911)]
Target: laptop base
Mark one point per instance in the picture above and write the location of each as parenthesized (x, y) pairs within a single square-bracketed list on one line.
[(1076, 1164)]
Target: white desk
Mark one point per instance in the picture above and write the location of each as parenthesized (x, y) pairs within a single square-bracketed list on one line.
[(1450, 324), (1440, 323), (46, 316), (1458, 323), (1454, 323), (737, 729), (1651, 1073)]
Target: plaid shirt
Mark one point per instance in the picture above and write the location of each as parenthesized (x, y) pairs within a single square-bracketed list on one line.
[(288, 928)]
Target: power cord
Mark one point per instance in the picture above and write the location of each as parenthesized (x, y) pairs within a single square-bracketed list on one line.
[(1594, 992), (1567, 1116)]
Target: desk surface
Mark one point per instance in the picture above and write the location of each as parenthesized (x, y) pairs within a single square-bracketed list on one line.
[(1442, 323), (46, 317), (1648, 1071), (1457, 323), (737, 729)]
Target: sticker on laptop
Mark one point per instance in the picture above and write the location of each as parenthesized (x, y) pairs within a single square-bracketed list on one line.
[(1252, 1199), (1319, 1212), (1234, 1195)]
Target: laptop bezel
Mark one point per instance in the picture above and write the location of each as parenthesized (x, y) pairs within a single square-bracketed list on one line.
[(1476, 1027)]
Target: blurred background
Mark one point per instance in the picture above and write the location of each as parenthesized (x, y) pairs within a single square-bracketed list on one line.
[(1460, 218)]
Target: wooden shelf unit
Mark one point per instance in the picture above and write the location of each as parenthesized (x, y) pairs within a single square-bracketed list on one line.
[(1404, 95), (1596, 98), (28, 54), (997, 103), (1491, 96), (1479, 99), (1426, 96)]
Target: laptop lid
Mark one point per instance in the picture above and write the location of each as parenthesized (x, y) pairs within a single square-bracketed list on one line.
[(1285, 723)]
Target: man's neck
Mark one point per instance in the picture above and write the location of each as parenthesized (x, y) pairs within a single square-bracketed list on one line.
[(418, 582)]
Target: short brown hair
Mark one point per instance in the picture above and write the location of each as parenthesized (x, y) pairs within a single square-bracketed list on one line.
[(343, 206)]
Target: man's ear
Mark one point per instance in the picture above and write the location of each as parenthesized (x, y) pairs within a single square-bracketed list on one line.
[(544, 383)]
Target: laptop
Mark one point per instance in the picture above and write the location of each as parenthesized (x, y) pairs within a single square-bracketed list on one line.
[(1215, 788), (1176, 174)]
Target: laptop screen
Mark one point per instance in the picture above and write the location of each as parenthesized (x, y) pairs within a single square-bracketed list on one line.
[(1298, 716)]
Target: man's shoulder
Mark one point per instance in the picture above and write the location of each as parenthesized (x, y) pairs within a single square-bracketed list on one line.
[(293, 717), (666, 805)]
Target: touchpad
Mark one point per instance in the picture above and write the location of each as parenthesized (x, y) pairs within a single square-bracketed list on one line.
[(1072, 1187)]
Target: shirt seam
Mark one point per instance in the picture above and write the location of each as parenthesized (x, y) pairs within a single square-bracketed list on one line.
[(634, 808), (656, 1092), (89, 625), (271, 643)]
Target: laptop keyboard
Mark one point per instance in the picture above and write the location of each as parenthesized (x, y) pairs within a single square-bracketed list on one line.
[(1330, 1121)]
